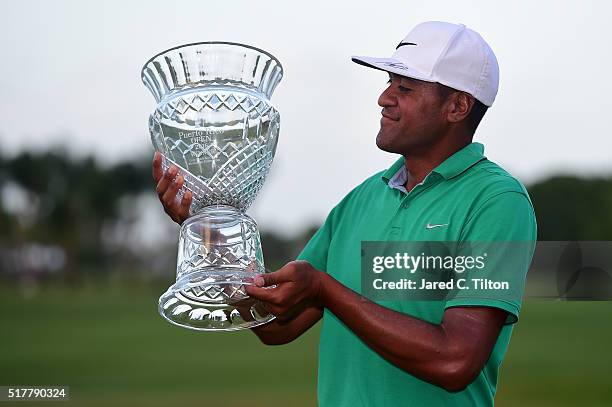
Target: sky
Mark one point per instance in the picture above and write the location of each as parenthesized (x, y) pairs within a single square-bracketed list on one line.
[(70, 75)]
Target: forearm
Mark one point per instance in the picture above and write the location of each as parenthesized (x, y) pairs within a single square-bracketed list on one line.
[(418, 347), (449, 354)]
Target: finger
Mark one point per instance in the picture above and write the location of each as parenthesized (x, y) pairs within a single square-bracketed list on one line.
[(157, 166), (263, 294), (266, 280), (169, 197), (284, 274), (265, 308), (183, 211), (276, 311), (245, 313), (166, 180), (261, 308)]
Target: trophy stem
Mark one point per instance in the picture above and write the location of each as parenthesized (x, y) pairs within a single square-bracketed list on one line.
[(216, 207)]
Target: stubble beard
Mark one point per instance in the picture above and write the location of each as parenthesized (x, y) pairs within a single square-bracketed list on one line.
[(391, 143), (380, 141)]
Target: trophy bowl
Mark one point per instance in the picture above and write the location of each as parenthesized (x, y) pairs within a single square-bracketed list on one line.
[(214, 121)]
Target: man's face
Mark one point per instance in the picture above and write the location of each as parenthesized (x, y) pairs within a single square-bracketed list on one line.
[(413, 117)]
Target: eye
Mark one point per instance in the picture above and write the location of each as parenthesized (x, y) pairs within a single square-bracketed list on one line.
[(404, 89)]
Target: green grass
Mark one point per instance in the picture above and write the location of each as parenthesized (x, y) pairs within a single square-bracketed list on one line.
[(560, 354), (110, 346)]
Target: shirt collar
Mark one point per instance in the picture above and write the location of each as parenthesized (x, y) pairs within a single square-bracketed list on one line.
[(449, 168), (398, 181)]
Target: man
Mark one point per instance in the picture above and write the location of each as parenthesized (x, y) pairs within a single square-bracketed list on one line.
[(442, 79)]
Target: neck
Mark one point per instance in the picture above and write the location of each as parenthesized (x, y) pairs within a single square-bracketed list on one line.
[(421, 162)]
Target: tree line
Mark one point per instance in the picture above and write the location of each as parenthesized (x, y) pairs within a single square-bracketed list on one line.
[(50, 198)]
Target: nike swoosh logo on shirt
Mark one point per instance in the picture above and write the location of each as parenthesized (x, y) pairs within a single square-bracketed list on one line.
[(438, 225)]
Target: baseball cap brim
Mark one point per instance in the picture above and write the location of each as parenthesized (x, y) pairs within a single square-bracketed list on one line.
[(392, 65)]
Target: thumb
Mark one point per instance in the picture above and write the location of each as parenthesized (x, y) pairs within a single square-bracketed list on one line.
[(268, 279)]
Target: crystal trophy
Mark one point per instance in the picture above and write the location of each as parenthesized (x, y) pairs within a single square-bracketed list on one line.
[(214, 121)]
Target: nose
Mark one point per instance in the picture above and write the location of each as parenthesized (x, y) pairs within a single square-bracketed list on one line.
[(386, 98)]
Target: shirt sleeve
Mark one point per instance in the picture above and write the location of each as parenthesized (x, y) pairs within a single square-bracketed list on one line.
[(316, 250), (503, 230)]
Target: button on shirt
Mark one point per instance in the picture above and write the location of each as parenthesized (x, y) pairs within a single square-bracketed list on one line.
[(472, 199)]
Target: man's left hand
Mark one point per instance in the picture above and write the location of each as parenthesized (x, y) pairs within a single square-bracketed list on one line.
[(282, 291)]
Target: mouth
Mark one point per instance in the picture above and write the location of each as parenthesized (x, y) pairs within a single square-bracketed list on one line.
[(386, 115)]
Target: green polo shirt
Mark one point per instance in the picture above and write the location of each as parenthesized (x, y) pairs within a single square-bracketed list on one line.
[(476, 200)]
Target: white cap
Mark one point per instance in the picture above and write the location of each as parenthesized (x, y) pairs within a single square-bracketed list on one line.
[(450, 54)]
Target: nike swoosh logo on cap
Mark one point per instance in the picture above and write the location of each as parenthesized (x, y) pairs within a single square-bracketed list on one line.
[(401, 44)]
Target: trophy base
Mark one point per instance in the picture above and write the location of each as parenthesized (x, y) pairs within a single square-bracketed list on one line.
[(213, 299)]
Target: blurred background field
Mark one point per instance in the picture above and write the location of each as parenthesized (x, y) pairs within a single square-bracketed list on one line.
[(108, 344), (112, 348)]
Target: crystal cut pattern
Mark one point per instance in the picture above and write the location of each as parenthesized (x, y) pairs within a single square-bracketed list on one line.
[(215, 122)]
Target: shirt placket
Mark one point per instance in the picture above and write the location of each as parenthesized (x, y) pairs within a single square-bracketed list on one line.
[(407, 201)]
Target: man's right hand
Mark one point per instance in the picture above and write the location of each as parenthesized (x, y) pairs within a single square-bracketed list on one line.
[(168, 184)]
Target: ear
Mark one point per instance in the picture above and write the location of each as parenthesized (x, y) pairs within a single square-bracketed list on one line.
[(459, 107)]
